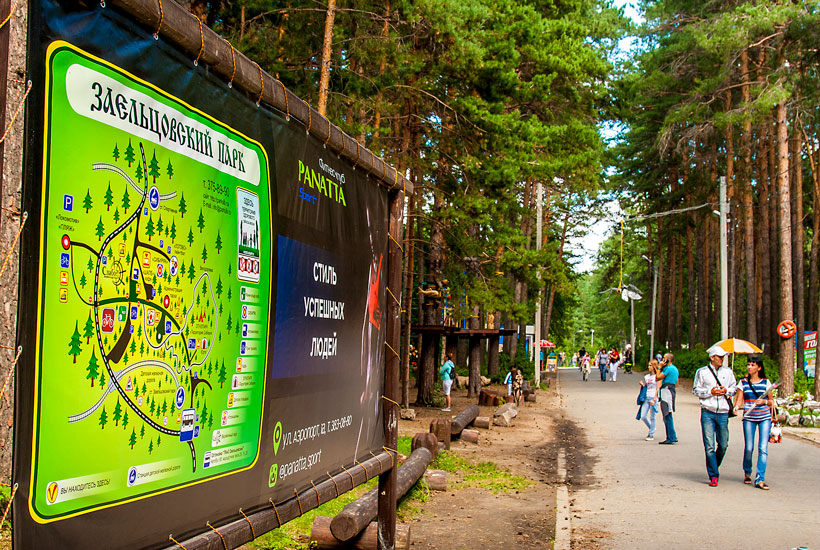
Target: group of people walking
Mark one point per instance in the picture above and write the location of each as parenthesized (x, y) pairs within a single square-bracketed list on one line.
[(719, 393), (608, 362)]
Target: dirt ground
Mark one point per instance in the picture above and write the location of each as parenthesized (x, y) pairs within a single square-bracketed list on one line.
[(473, 518)]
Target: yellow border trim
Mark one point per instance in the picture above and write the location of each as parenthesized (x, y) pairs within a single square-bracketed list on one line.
[(61, 44)]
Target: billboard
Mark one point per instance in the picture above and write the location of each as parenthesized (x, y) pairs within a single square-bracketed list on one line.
[(809, 352), (203, 325)]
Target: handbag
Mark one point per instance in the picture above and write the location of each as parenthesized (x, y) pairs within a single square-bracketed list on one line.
[(642, 395), (732, 412), (776, 435)]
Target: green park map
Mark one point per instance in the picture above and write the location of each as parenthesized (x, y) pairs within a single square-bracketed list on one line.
[(154, 292)]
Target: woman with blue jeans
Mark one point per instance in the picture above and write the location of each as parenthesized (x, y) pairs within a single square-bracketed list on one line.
[(649, 406), (757, 418)]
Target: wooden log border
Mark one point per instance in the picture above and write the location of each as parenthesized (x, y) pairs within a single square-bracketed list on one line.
[(239, 532), (181, 28)]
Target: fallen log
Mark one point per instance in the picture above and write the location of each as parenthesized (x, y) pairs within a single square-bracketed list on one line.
[(428, 441), (483, 422), (358, 514), (436, 480), (441, 428), (470, 436), (323, 539), (463, 419)]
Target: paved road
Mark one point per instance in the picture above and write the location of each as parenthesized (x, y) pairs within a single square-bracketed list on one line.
[(647, 496)]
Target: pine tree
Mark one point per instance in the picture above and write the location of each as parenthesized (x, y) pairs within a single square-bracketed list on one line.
[(173, 230), (133, 439), (223, 372), (88, 329), (218, 242), (126, 200), (219, 287), (169, 170), (142, 431), (190, 236), (74, 344), (116, 215), (102, 379), (183, 207), (116, 153), (125, 419), (191, 272), (138, 173), (153, 168), (204, 254), (200, 222), (150, 446), (87, 202), (83, 280), (129, 154), (103, 418), (109, 198), (149, 228), (100, 229), (92, 368), (117, 413), (159, 225)]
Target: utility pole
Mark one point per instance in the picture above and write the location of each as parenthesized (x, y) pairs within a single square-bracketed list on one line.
[(724, 263), (538, 231), (592, 338), (632, 334)]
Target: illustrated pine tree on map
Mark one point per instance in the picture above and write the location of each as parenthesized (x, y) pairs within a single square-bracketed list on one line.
[(109, 198), (116, 153), (92, 368), (87, 202), (74, 344), (103, 418), (117, 413), (218, 242), (125, 419), (170, 170), (200, 222), (126, 201), (133, 439), (129, 154), (138, 173), (183, 206), (153, 168)]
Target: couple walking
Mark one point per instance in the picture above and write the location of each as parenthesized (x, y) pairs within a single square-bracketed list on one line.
[(660, 386)]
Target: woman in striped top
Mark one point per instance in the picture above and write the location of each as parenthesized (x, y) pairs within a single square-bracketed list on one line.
[(757, 417)]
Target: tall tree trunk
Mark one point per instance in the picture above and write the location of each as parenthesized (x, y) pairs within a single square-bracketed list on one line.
[(764, 257), (748, 206), (559, 261), (327, 51), (407, 290), (672, 286), (798, 275), (786, 355), (730, 194), (474, 385), (690, 282), (703, 271)]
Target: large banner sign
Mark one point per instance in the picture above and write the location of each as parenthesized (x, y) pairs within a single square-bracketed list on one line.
[(204, 327)]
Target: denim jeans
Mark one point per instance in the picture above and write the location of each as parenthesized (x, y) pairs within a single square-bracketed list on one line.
[(715, 429), (763, 427), (669, 424), (603, 369), (648, 416)]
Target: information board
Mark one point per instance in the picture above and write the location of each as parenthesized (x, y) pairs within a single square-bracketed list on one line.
[(155, 281)]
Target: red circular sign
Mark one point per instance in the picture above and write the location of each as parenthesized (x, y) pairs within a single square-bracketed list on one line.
[(66, 242), (786, 329), (166, 301)]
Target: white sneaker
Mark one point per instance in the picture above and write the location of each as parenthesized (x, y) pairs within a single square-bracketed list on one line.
[(650, 438), (446, 409)]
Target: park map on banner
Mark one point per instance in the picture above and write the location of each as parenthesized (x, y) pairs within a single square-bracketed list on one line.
[(154, 293)]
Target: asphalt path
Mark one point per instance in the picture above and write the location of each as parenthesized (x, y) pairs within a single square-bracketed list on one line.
[(646, 495)]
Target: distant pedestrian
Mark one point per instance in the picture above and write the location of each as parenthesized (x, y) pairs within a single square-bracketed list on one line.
[(603, 363), (650, 406), (757, 406), (628, 362), (668, 379), (448, 374), (614, 363), (517, 386), (508, 380), (713, 385)]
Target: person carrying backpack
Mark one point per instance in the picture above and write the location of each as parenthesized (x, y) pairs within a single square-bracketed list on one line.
[(448, 374)]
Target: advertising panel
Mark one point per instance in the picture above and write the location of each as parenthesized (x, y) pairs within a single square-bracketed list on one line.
[(202, 328)]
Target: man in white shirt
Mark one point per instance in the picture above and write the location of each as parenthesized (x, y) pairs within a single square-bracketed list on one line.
[(713, 385)]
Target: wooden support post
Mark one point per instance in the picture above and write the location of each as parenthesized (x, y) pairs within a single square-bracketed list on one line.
[(427, 440), (5, 6), (387, 481), (440, 427)]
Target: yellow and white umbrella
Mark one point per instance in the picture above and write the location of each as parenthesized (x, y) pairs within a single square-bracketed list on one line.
[(735, 345)]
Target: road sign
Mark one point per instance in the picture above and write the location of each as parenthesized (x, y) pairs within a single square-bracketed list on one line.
[(174, 266), (180, 397), (65, 260), (134, 312), (186, 429), (68, 203)]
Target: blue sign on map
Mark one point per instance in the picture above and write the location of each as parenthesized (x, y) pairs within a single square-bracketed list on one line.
[(134, 312), (153, 198), (167, 326), (180, 397), (191, 343), (65, 259), (68, 203), (132, 476), (135, 274)]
